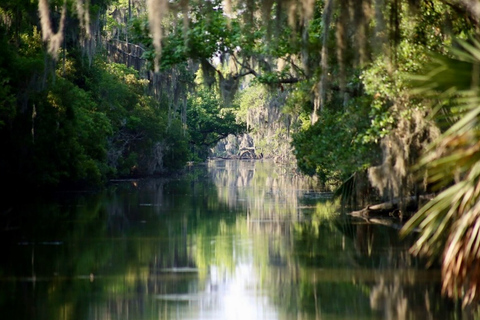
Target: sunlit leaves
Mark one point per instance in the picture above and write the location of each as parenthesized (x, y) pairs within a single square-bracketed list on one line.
[(337, 150), (208, 121)]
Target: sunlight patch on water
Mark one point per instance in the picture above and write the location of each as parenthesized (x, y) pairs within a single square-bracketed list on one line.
[(235, 298)]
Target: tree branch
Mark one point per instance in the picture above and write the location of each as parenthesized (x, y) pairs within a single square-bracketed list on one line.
[(251, 71)]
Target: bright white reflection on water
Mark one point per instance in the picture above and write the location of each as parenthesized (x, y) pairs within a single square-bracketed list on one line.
[(242, 300), (227, 240), (236, 298)]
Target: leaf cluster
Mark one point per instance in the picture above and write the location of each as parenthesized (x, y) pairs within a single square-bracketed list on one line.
[(337, 151), (79, 124), (208, 121)]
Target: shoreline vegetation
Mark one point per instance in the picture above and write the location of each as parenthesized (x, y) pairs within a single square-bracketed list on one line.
[(377, 100)]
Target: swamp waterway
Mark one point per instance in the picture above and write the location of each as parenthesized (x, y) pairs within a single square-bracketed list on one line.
[(227, 240)]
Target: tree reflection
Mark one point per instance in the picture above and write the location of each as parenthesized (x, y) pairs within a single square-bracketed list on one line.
[(317, 262), (223, 237)]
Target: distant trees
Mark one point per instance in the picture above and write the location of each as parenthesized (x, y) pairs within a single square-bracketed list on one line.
[(208, 122)]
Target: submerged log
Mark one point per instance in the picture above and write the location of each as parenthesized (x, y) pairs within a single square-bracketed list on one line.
[(394, 208), (386, 208)]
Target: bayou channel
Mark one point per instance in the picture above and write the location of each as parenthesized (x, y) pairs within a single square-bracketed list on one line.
[(229, 239)]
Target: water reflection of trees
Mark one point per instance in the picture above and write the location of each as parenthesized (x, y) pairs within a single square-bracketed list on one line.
[(98, 257), (316, 262), (353, 270), (156, 245), (261, 187)]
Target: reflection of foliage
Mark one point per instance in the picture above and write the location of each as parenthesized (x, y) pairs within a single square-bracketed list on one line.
[(365, 265), (261, 188), (127, 237)]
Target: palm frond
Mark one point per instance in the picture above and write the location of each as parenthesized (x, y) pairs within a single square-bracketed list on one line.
[(450, 223)]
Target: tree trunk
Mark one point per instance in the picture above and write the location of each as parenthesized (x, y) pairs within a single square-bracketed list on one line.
[(322, 85)]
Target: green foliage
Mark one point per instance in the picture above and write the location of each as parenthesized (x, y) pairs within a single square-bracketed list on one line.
[(331, 148), (205, 37), (7, 109), (109, 102), (252, 97), (81, 123), (143, 133), (70, 136), (345, 138), (7, 96), (208, 122), (177, 151)]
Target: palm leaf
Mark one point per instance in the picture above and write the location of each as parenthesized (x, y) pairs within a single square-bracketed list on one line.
[(450, 223)]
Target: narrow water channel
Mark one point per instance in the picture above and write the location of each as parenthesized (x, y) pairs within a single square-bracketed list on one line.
[(227, 240)]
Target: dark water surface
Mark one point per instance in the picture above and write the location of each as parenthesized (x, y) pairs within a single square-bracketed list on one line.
[(228, 240)]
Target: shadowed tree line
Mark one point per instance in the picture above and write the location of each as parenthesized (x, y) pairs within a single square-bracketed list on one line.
[(72, 117)]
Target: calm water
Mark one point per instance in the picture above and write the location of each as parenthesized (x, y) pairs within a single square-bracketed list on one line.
[(229, 240)]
